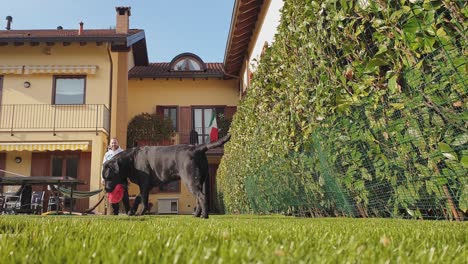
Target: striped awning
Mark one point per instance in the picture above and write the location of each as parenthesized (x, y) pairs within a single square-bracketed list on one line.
[(39, 146), (11, 69), (61, 69)]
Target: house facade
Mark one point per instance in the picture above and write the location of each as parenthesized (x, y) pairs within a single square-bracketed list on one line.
[(253, 27), (64, 93)]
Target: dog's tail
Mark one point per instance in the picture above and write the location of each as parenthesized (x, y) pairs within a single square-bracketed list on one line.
[(207, 146)]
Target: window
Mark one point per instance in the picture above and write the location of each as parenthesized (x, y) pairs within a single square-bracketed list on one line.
[(69, 90), (187, 64), (171, 113), (65, 165), (201, 122)]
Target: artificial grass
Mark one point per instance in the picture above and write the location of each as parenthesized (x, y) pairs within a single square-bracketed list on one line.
[(229, 239)]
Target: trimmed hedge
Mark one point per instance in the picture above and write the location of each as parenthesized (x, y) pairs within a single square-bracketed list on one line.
[(358, 108)]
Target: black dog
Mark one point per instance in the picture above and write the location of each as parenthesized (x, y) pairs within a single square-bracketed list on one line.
[(152, 166)]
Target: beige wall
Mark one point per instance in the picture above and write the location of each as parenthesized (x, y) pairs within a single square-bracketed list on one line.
[(145, 94), (23, 168), (120, 102), (40, 92), (265, 30)]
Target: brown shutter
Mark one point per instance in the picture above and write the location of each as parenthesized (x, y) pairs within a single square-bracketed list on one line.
[(185, 124), (84, 175), (229, 111), (40, 166), (160, 110)]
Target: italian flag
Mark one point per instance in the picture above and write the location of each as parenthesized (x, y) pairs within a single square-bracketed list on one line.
[(213, 127)]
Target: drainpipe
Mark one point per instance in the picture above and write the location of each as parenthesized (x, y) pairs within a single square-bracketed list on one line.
[(110, 90)]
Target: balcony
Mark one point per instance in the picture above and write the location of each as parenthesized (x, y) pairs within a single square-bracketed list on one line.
[(16, 118)]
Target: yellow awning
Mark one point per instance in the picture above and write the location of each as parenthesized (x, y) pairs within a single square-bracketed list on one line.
[(11, 69), (63, 69), (38, 146)]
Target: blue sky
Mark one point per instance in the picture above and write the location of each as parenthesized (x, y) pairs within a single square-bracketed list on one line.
[(171, 26)]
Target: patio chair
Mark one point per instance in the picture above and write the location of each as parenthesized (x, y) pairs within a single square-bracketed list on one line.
[(2, 200), (11, 203), (37, 198), (55, 203)]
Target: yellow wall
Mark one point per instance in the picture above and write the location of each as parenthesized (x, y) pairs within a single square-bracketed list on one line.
[(119, 107), (23, 168), (145, 94), (40, 92)]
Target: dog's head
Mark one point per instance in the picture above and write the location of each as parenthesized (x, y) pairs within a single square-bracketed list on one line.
[(111, 174)]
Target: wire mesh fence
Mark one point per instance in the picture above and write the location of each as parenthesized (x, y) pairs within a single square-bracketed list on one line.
[(401, 148)]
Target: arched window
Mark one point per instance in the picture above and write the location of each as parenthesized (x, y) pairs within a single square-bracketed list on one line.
[(187, 62)]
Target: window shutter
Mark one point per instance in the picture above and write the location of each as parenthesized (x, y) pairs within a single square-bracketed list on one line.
[(229, 111), (185, 124), (160, 110)]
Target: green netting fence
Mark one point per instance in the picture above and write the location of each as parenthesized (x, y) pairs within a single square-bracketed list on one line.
[(358, 109)]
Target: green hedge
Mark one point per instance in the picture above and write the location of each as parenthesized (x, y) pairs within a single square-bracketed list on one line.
[(358, 108)]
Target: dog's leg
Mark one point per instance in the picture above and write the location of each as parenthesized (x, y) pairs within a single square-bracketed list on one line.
[(136, 203), (197, 212), (204, 206), (144, 199)]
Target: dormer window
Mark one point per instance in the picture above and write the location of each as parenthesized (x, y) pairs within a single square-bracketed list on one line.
[(187, 62)]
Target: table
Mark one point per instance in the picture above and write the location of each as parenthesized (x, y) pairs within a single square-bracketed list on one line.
[(43, 180)]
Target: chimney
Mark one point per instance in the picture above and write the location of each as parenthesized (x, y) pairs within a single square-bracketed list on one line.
[(123, 13), (80, 31), (9, 19)]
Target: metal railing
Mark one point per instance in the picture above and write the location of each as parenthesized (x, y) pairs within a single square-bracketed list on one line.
[(54, 118)]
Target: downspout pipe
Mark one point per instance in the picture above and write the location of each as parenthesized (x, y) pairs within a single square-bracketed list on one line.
[(111, 73)]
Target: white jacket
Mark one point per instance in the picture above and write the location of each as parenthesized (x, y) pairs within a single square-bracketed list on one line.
[(111, 153)]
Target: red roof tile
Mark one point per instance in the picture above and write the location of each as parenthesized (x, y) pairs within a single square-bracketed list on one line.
[(162, 70)]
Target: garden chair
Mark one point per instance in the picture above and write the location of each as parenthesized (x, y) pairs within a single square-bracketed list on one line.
[(11, 203), (37, 198)]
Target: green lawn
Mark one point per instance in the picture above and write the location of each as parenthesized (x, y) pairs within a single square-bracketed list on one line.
[(228, 239)]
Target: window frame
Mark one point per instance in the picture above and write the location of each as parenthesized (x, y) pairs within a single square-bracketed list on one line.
[(187, 56), (203, 107), (163, 107), (54, 87), (186, 64), (64, 158)]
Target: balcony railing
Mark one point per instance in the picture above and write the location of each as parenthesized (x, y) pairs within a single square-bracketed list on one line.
[(54, 118)]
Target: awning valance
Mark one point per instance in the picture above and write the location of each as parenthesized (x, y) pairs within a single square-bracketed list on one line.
[(39, 146), (62, 69), (11, 69)]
